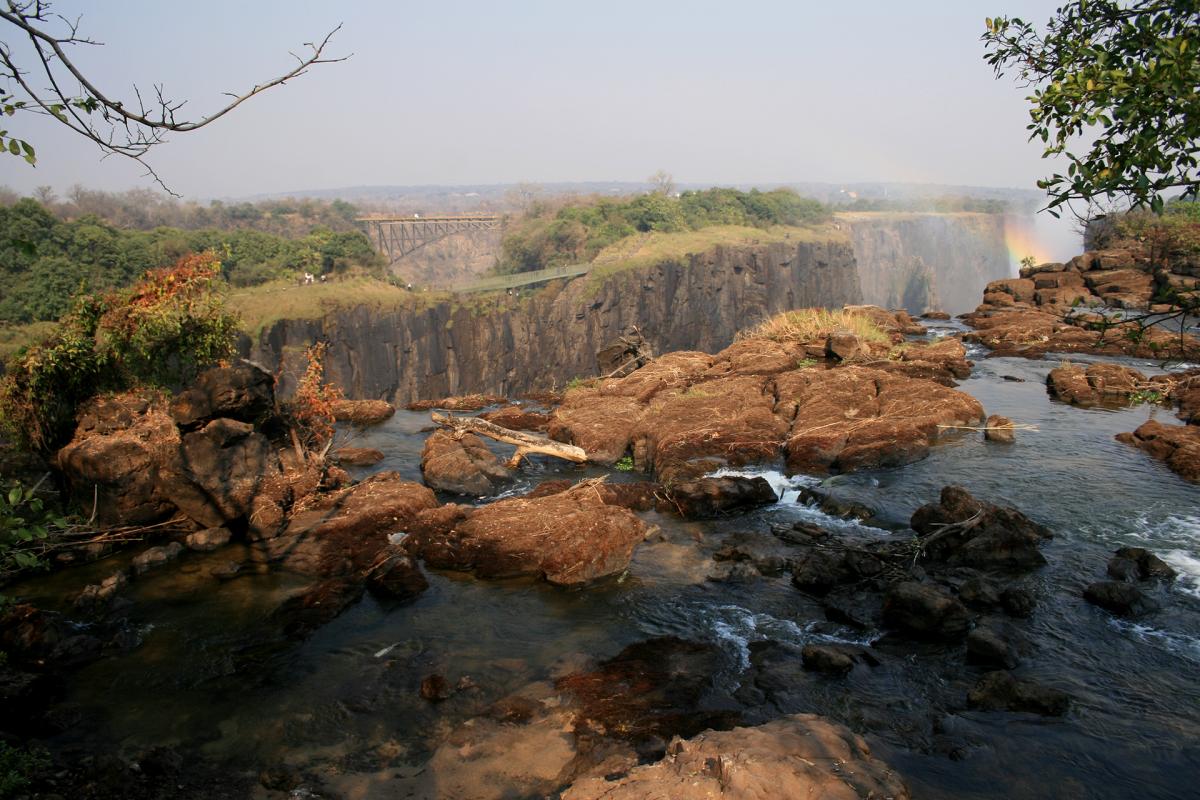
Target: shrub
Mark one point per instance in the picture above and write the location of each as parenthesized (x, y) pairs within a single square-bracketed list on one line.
[(161, 332), (311, 409)]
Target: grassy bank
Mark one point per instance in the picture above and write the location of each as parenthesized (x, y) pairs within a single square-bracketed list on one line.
[(262, 306)]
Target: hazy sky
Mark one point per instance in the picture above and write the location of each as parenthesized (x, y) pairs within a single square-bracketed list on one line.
[(475, 92)]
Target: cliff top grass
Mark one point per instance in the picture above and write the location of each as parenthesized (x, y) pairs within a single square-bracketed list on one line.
[(814, 324), (261, 306)]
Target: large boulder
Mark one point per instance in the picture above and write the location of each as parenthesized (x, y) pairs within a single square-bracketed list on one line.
[(858, 417), (113, 461), (797, 756), (1094, 384), (972, 533), (567, 538), (461, 463), (242, 391), (363, 412), (344, 532)]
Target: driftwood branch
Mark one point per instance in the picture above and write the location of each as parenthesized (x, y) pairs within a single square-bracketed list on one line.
[(525, 443)]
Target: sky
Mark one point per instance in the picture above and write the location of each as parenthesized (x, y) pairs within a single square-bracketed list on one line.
[(498, 92)]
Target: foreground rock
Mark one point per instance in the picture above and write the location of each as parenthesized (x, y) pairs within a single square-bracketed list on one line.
[(1177, 446), (961, 530), (798, 756), (462, 464), (567, 538)]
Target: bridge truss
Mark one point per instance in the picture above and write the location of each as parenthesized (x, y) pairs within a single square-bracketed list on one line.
[(396, 237)]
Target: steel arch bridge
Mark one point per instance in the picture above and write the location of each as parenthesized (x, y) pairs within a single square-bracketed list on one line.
[(396, 237)]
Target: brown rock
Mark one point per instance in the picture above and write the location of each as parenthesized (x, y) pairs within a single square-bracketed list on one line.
[(358, 456), (935, 315), (463, 464), (1069, 383), (800, 756), (857, 417), (363, 412), (711, 497), (984, 535), (602, 425), (842, 346), (1020, 289), (634, 495), (999, 429), (925, 611), (208, 539), (242, 391), (396, 576), (344, 532), (466, 402), (1178, 446), (567, 538), (517, 419)]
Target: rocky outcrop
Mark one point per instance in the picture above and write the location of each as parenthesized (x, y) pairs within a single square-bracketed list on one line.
[(242, 391), (798, 756), (567, 538), (968, 532), (505, 345), (1094, 384)]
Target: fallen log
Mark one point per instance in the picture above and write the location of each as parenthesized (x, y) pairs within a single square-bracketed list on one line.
[(525, 443)]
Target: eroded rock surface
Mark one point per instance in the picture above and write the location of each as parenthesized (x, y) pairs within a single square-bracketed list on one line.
[(461, 463)]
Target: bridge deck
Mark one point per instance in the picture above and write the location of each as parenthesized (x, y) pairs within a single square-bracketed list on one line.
[(497, 282)]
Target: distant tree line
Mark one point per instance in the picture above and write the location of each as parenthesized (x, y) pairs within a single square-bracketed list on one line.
[(942, 205), (550, 236), (46, 260)]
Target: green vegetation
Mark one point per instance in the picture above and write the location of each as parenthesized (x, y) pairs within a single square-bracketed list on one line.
[(18, 766), (624, 464), (949, 204), (25, 523), (45, 262), (579, 232), (1145, 396), (261, 306), (1099, 72), (158, 333)]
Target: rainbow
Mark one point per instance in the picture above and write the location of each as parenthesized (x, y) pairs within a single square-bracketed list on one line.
[(1023, 242)]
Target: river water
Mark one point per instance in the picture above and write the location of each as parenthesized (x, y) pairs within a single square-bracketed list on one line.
[(212, 673)]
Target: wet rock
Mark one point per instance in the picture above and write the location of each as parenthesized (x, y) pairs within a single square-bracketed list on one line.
[(925, 611), (462, 464), (979, 592), (999, 429), (649, 692), (1094, 384), (1000, 691), (818, 571), (827, 658), (242, 391), (1118, 597), (227, 571), (1177, 446), (279, 779), (363, 412), (987, 644), (567, 538), (358, 456), (397, 576), (798, 756), (343, 532), (98, 596), (318, 605), (435, 688), (935, 315), (208, 539), (1018, 601), (155, 557), (634, 495), (1139, 564), (854, 607), (765, 553), (964, 531), (517, 418), (835, 506), (711, 497)]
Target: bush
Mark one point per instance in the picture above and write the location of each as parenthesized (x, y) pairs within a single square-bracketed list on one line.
[(18, 768), (161, 332)]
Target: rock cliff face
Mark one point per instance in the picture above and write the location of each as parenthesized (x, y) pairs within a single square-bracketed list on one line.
[(502, 344), (924, 261)]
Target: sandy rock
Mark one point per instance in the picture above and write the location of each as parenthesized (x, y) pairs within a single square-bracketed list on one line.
[(602, 425), (462, 464), (800, 756), (1021, 289), (567, 538), (363, 412), (935, 315)]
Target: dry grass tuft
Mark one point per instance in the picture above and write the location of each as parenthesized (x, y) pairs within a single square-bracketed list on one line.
[(814, 324)]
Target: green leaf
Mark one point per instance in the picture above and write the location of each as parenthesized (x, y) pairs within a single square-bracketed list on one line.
[(14, 147), (14, 495)]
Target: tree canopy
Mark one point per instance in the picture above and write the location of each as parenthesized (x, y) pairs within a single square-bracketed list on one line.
[(1124, 75)]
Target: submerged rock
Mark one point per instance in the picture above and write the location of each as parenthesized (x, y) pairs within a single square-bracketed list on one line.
[(1000, 691), (1119, 597), (318, 605), (396, 576), (462, 464), (800, 756), (925, 612), (208, 539)]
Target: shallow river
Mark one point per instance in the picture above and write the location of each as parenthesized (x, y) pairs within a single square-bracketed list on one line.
[(212, 673)]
